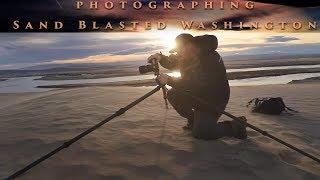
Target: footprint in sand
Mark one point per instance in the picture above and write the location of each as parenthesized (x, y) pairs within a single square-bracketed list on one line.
[(264, 139), (253, 133), (289, 157), (297, 136)]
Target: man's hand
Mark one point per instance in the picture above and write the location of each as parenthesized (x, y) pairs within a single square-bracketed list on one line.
[(155, 57), (163, 79)]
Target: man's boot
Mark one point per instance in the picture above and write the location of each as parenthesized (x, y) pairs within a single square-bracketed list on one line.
[(239, 128)]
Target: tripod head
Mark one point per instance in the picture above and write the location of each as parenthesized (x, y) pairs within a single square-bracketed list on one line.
[(153, 66)]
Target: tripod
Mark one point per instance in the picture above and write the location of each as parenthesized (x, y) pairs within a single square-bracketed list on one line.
[(164, 89)]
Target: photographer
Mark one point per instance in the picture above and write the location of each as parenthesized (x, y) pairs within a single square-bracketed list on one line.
[(203, 75)]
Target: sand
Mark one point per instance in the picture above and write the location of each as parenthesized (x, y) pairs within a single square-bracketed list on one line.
[(128, 147)]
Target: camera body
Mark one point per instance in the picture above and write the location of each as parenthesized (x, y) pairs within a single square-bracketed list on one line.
[(152, 66)]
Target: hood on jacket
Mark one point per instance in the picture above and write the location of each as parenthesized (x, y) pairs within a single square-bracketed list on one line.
[(206, 42)]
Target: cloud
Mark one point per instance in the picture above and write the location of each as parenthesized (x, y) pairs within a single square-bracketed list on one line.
[(139, 50), (18, 50), (299, 3), (279, 48), (101, 58), (247, 16), (32, 49), (50, 10), (275, 39)]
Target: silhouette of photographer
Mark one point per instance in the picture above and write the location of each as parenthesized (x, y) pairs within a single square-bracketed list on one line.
[(204, 76)]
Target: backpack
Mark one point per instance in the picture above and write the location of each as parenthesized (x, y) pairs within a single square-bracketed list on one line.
[(269, 105)]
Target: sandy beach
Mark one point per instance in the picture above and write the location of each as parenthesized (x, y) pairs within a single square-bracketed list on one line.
[(129, 147)]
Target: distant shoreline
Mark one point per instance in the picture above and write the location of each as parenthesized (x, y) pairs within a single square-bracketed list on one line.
[(120, 71), (149, 82), (231, 75), (308, 80), (140, 83), (128, 75), (106, 70)]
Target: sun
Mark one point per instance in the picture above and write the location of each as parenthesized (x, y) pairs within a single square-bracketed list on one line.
[(167, 37)]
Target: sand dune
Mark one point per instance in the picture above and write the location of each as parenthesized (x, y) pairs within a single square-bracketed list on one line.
[(129, 148)]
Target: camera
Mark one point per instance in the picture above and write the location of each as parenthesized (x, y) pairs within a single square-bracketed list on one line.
[(146, 69), (153, 66)]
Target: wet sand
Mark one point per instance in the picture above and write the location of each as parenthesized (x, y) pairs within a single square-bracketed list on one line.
[(128, 147)]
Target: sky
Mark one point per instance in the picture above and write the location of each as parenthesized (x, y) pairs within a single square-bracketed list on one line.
[(20, 50), (265, 10)]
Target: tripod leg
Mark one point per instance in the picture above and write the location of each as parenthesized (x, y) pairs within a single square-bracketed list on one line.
[(164, 91), (83, 134)]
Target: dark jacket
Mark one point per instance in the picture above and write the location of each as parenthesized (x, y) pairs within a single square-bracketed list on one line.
[(204, 77)]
